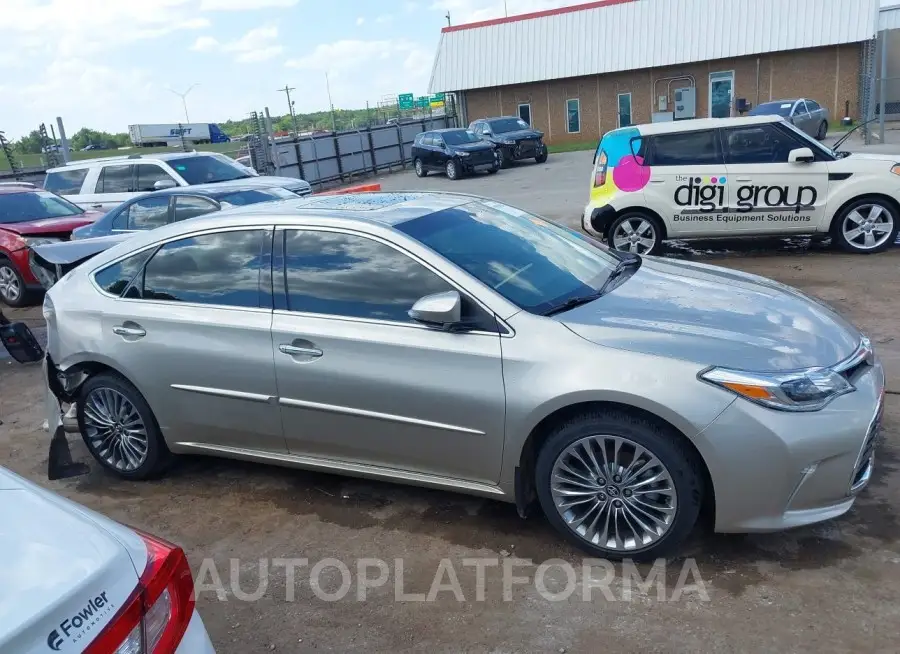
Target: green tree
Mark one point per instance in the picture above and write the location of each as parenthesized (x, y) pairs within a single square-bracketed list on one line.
[(30, 144)]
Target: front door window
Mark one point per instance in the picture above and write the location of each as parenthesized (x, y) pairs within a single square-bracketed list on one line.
[(721, 94)]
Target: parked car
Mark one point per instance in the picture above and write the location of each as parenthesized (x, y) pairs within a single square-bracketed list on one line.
[(459, 343), (30, 215), (456, 152), (75, 581), (728, 177), (107, 182), (91, 146), (513, 137), (807, 115), (159, 208)]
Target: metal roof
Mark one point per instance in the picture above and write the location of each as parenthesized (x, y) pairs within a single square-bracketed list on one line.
[(618, 35)]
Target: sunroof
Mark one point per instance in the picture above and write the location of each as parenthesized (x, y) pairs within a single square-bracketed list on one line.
[(360, 201)]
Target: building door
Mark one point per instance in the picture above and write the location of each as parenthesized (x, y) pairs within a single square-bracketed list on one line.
[(525, 113), (721, 94)]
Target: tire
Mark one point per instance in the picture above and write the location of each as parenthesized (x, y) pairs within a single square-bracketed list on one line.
[(823, 131), (137, 461), (493, 171), (886, 221), (502, 158), (420, 168), (678, 506), (638, 220), (453, 170), (12, 286), (541, 158)]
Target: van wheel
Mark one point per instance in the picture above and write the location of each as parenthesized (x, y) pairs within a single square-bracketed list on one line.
[(635, 232), (119, 428), (618, 485), (420, 169), (823, 131), (866, 226)]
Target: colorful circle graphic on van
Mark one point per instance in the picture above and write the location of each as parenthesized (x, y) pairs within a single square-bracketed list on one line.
[(631, 174)]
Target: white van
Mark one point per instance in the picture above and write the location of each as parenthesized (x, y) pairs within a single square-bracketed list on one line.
[(727, 177)]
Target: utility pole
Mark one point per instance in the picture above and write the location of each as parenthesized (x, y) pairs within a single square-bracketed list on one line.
[(287, 91), (505, 10), (448, 19), (330, 103)]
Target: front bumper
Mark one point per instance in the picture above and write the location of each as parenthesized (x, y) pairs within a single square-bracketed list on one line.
[(526, 151), (773, 470)]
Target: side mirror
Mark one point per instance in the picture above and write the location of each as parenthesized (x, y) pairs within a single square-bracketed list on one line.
[(438, 310), (164, 183), (801, 155)]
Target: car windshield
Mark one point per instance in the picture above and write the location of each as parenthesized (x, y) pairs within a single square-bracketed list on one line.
[(533, 263), (503, 125), (208, 169), (35, 205), (255, 195), (772, 109), (459, 137)]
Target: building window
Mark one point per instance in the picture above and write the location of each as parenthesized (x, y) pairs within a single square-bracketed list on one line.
[(525, 113), (624, 109), (573, 116), (721, 94)]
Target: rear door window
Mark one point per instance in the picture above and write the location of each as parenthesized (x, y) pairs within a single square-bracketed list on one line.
[(146, 176), (191, 207), (115, 179), (66, 182), (148, 213), (686, 149)]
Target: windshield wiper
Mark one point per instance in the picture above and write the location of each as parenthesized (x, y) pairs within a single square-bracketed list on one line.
[(840, 141), (621, 268)]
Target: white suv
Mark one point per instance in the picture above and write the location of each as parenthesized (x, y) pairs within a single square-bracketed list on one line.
[(105, 183), (74, 581)]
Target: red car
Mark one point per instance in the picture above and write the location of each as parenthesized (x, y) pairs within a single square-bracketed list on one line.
[(30, 216)]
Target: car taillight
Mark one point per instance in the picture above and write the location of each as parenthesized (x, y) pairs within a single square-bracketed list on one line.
[(600, 168), (156, 615), (600, 177)]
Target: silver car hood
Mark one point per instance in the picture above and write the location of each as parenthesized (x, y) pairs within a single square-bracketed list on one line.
[(715, 316), (268, 181)]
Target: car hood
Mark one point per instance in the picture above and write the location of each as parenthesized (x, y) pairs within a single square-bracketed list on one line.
[(520, 134), (864, 161), (473, 147), (52, 225), (266, 181), (715, 316), (59, 561)]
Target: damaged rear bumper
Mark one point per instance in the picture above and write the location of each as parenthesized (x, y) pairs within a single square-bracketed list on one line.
[(60, 422)]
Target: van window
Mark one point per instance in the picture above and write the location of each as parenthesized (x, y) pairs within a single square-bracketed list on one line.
[(66, 182), (686, 149), (758, 144), (146, 175)]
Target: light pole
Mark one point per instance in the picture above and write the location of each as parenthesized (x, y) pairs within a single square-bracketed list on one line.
[(183, 97)]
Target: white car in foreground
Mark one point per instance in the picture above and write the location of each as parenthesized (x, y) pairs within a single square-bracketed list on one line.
[(72, 580)]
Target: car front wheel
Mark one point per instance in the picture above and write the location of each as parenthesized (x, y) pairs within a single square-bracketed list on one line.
[(119, 428), (866, 226), (618, 485), (12, 286), (541, 158), (453, 170), (635, 232)]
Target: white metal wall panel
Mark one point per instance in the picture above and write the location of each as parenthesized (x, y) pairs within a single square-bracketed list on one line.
[(645, 34), (889, 18)]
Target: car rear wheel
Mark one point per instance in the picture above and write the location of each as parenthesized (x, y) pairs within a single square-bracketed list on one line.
[(618, 485), (823, 131), (420, 168), (635, 232), (866, 226), (453, 170), (12, 286), (119, 428)]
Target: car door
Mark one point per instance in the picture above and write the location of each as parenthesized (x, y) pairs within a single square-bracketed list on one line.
[(193, 330), (359, 382), (114, 185), (800, 117), (441, 154), (151, 177), (427, 151), (143, 214), (687, 184), (769, 194)]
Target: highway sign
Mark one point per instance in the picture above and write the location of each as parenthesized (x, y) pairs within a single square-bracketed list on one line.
[(405, 101)]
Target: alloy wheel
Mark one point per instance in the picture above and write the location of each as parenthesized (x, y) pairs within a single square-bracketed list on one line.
[(636, 234), (10, 288), (868, 226), (451, 169), (613, 493), (419, 167), (115, 430)]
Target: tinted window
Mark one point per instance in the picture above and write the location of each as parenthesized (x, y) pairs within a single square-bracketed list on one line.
[(460, 137), (218, 269), (115, 179), (772, 109), (502, 125), (148, 213), (347, 275), (208, 169), (801, 108), (478, 128), (812, 106), (113, 279), (529, 261), (686, 149), (428, 140), (146, 175), (757, 144), (66, 182), (189, 207), (34, 205)]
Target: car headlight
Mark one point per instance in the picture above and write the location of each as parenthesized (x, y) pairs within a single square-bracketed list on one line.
[(507, 142), (895, 169), (803, 390), (29, 241), (461, 153)]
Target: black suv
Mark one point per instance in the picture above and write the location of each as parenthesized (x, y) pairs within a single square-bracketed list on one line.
[(513, 138), (455, 151)]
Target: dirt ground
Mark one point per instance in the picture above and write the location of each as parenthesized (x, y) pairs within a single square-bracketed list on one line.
[(833, 587)]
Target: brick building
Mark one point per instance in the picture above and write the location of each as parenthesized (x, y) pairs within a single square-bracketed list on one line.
[(580, 71)]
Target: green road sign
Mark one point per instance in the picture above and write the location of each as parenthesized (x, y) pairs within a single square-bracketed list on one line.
[(437, 100), (405, 101), (423, 101)]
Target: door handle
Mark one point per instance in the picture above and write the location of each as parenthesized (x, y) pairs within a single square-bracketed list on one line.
[(133, 332), (97, 206), (744, 180), (293, 350), (657, 181)]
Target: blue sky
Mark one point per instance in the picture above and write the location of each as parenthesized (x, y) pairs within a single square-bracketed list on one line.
[(106, 64)]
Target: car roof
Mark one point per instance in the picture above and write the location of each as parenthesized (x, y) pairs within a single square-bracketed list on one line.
[(696, 124), (784, 101), (130, 158), (499, 118), (448, 129), (221, 188)]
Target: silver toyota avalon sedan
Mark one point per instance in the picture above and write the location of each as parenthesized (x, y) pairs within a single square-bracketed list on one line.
[(456, 342)]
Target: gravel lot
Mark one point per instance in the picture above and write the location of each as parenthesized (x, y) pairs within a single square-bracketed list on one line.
[(833, 587)]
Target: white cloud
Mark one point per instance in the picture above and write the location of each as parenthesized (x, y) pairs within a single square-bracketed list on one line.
[(384, 19), (261, 54), (205, 44), (244, 5), (360, 20), (259, 44)]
